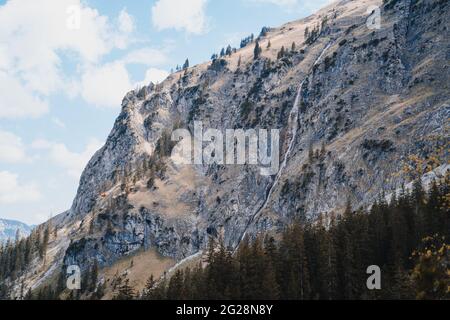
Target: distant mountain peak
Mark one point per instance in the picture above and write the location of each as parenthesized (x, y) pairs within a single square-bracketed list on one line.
[(8, 229)]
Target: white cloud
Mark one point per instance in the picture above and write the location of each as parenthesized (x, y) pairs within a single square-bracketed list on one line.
[(105, 86), (145, 56), (187, 15), (125, 26), (37, 36), (282, 3), (11, 191), (72, 162), (58, 122), (154, 75), (12, 149), (41, 144), (72, 31), (16, 101), (22, 25), (126, 22)]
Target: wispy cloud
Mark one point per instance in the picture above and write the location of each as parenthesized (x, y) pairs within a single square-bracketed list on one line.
[(11, 191), (58, 122), (72, 162), (12, 150), (183, 15), (145, 56), (31, 65)]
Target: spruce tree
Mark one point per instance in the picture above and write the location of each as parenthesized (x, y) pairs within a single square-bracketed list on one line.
[(147, 293), (186, 64), (257, 51), (175, 287), (229, 51), (125, 291)]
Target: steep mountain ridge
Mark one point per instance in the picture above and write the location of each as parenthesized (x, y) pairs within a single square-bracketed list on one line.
[(355, 107)]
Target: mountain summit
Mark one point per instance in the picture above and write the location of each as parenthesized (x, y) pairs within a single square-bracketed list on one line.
[(9, 229)]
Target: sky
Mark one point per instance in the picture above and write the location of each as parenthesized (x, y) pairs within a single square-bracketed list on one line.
[(65, 66)]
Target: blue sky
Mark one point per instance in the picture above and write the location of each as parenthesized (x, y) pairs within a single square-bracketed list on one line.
[(66, 64)]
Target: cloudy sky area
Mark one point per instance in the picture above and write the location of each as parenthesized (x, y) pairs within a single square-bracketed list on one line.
[(62, 78)]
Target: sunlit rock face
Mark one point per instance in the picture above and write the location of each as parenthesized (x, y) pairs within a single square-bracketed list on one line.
[(368, 101)]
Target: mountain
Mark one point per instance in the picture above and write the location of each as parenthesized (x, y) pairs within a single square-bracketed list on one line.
[(8, 229), (360, 111)]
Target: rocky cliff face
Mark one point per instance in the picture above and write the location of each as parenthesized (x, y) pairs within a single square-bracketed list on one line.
[(355, 106)]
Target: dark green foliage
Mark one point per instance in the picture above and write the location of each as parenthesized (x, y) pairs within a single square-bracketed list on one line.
[(246, 107), (257, 51), (329, 62), (342, 42), (165, 144), (124, 291), (229, 51), (264, 31), (247, 40), (281, 53), (186, 64), (16, 256), (312, 36), (328, 259), (389, 4)]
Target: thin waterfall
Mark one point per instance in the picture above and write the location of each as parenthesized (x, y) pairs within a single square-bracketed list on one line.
[(293, 124)]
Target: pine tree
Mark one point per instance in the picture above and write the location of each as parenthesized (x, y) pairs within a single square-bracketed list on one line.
[(44, 244), (125, 291), (228, 51), (270, 289), (245, 272), (432, 211), (400, 286), (310, 153), (187, 293), (323, 150), (281, 53), (186, 64), (93, 277), (160, 290), (257, 51), (198, 280), (175, 287), (17, 237), (147, 294), (348, 282)]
